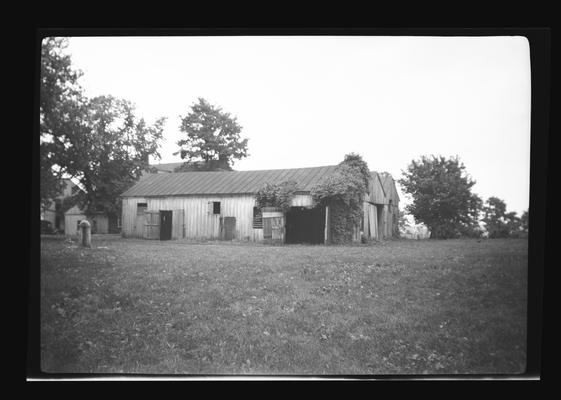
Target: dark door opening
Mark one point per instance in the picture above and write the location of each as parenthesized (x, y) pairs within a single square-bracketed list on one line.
[(380, 216), (305, 225), (165, 225)]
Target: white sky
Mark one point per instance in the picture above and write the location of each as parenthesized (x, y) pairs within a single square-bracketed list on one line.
[(308, 101)]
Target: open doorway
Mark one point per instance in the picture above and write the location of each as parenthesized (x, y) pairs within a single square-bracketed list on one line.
[(305, 225), (380, 217)]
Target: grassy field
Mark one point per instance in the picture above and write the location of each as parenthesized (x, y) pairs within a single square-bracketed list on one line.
[(397, 307)]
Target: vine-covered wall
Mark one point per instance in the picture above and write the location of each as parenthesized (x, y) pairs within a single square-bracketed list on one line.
[(343, 193)]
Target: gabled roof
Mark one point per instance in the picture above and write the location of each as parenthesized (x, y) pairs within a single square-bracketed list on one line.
[(224, 182), (376, 193), (389, 185), (76, 210)]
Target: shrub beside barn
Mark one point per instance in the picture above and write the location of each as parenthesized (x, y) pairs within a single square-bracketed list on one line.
[(210, 205)]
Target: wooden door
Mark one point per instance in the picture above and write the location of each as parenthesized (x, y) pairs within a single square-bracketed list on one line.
[(267, 229), (373, 221), (227, 228), (152, 225), (277, 229), (165, 225)]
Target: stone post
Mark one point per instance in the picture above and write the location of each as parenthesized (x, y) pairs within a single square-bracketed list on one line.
[(85, 226)]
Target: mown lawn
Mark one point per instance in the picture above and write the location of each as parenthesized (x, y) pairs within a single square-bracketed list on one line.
[(398, 307)]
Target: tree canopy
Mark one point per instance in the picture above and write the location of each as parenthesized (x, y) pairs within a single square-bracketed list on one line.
[(276, 195), (112, 152), (100, 141), (212, 139), (441, 196), (501, 224), (60, 101)]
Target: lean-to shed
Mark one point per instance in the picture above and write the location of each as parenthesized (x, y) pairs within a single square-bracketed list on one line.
[(221, 205)]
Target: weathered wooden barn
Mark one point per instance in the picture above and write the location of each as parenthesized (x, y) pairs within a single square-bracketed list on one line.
[(221, 205)]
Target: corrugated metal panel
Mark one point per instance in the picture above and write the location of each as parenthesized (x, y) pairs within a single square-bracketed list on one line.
[(220, 182)]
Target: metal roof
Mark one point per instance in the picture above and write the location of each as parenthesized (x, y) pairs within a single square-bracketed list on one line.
[(224, 182)]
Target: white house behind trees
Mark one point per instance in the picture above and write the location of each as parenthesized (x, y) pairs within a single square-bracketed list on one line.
[(207, 205)]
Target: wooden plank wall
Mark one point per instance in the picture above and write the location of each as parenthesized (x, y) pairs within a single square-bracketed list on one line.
[(375, 192), (371, 227), (71, 222), (102, 223), (178, 224), (195, 220), (152, 225), (192, 220)]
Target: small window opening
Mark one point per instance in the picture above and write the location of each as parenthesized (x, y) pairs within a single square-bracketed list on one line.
[(216, 207), (257, 218), (141, 208)]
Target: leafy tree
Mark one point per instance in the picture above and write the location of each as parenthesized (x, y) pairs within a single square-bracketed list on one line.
[(60, 100), (402, 221), (501, 224), (524, 222), (513, 224), (494, 213), (276, 195), (470, 230), (213, 139), (98, 141), (441, 192), (110, 153)]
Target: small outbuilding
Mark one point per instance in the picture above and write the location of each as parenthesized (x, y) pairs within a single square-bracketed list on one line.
[(72, 218), (207, 205)]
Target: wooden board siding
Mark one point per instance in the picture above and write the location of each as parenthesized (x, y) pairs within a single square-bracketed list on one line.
[(191, 215), (71, 223), (131, 226), (376, 192), (48, 215), (387, 225), (178, 224), (373, 221), (102, 223), (370, 223), (191, 218), (152, 225), (378, 221)]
